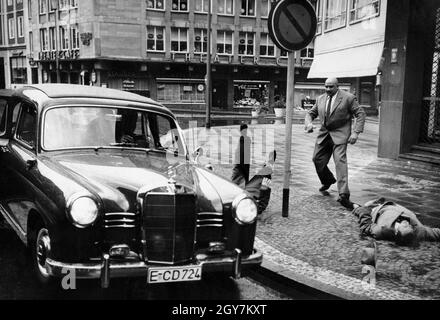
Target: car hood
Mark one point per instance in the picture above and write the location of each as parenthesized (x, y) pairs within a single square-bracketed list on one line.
[(117, 176)]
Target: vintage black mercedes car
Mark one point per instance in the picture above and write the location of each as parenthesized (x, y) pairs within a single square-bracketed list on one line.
[(100, 182)]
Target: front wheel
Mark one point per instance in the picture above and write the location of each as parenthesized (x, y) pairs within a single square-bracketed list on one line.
[(39, 250)]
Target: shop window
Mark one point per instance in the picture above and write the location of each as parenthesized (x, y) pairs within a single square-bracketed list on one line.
[(156, 4), (246, 43), (179, 5), (267, 48), (181, 92), (266, 5), (200, 40), (11, 28), (155, 38), (42, 5), (74, 37), (202, 6), (18, 70), (44, 40), (336, 14), (179, 39), (247, 8), (363, 9), (225, 7), (224, 42)]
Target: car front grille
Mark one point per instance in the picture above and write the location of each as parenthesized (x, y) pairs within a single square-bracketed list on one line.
[(169, 223), (120, 227)]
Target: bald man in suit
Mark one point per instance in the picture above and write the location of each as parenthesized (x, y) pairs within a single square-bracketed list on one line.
[(336, 109)]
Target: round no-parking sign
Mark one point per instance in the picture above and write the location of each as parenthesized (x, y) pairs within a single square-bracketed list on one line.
[(292, 24)]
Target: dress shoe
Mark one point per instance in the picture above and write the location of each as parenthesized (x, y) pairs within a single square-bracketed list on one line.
[(344, 201), (325, 187)]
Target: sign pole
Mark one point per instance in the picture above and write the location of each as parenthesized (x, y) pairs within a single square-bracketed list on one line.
[(288, 139), (208, 87)]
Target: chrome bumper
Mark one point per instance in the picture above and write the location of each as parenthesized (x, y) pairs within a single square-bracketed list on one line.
[(108, 268)]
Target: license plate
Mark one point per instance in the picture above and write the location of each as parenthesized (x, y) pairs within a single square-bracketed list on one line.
[(174, 274)]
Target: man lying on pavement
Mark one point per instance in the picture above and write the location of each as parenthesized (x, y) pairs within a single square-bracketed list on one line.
[(386, 220)]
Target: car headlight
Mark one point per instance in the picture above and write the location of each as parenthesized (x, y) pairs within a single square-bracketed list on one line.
[(82, 211), (245, 209)]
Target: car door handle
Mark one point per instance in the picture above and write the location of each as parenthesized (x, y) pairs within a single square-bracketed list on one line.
[(30, 164)]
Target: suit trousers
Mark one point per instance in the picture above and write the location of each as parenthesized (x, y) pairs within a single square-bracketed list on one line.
[(321, 157)]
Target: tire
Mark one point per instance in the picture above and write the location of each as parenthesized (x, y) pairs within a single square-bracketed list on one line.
[(39, 245)]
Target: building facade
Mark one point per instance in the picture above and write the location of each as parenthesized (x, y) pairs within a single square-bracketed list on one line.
[(158, 48), (349, 45), (15, 69)]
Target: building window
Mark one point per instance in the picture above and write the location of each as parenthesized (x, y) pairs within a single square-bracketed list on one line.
[(267, 48), (224, 42), (44, 40), (181, 92), (73, 3), (266, 5), (179, 39), (19, 1), (363, 9), (336, 14), (283, 53), (11, 28), (20, 27), (246, 43), (52, 38), (64, 38), (248, 8), (200, 40), (225, 7), (30, 9), (42, 6), (63, 4), (74, 37), (31, 42), (318, 10), (10, 3), (18, 70), (179, 5), (307, 52), (202, 6), (155, 4), (155, 38)]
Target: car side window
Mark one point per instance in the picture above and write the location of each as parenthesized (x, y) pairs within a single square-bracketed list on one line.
[(26, 128), (3, 104), (15, 111)]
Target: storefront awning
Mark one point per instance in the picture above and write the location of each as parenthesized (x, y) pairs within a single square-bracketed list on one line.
[(357, 61)]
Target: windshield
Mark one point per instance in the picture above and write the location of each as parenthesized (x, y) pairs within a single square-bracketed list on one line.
[(79, 127)]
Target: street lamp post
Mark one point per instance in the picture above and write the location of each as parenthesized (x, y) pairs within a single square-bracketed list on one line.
[(208, 95), (54, 5)]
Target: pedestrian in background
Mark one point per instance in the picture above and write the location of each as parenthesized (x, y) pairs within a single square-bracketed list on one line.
[(336, 109), (242, 158)]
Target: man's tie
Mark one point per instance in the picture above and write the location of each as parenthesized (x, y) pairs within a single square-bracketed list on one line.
[(327, 112)]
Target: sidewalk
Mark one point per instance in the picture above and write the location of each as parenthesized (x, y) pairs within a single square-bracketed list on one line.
[(319, 244)]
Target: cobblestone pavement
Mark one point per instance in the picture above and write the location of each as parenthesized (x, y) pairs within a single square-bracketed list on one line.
[(319, 242)]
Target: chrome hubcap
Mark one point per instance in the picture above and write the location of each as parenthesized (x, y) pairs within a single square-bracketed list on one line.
[(42, 249)]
